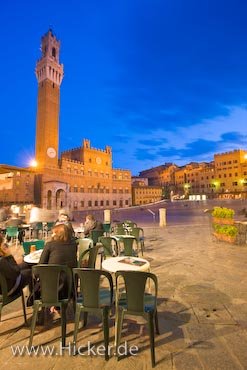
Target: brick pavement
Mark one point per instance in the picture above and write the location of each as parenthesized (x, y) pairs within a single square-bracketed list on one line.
[(202, 311)]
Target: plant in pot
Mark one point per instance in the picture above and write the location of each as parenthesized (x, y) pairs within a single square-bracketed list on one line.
[(226, 233), (223, 215)]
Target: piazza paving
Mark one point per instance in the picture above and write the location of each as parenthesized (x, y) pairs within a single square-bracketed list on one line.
[(202, 310)]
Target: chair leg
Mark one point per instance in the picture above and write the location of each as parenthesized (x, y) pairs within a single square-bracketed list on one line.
[(63, 323), (151, 335), (85, 315), (142, 247), (106, 331), (156, 322), (33, 324), (119, 324), (77, 320), (24, 307)]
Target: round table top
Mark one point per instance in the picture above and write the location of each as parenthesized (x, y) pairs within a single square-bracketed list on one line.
[(33, 257), (114, 264)]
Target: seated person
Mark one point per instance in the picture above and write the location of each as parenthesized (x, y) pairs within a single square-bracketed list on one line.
[(61, 250), (17, 275), (91, 224)]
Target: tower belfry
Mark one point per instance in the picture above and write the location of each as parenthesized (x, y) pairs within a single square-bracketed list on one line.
[(49, 73)]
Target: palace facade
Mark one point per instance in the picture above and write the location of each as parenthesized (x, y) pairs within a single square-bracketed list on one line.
[(78, 179)]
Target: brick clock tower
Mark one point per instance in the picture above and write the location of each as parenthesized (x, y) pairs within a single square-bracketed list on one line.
[(49, 73)]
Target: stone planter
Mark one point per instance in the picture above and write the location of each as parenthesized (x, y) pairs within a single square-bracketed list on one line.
[(223, 221), (225, 238)]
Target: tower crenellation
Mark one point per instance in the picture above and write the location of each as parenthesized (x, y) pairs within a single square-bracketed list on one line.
[(48, 66)]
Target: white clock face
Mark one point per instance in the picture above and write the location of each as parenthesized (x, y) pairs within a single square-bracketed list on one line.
[(98, 160), (51, 152)]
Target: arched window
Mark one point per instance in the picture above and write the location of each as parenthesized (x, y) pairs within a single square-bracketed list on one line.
[(53, 52)]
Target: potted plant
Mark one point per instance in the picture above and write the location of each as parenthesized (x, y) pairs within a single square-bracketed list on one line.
[(223, 215), (226, 233)]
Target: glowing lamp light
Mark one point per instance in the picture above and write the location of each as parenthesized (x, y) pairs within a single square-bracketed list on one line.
[(245, 156), (33, 163)]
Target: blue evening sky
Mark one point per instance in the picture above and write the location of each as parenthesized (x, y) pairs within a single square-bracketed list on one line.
[(157, 80)]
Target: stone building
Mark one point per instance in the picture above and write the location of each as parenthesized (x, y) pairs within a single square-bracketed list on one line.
[(81, 178), (143, 193), (225, 177)]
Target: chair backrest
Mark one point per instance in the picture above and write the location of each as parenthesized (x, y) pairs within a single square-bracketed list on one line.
[(95, 234), (83, 244), (12, 231), (107, 227), (108, 244), (129, 246), (119, 230), (90, 255), (50, 225), (50, 278), (39, 244), (90, 282), (39, 226), (137, 232), (135, 283)]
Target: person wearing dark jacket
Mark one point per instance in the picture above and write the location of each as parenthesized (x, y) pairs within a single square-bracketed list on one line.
[(17, 275), (91, 224), (61, 250)]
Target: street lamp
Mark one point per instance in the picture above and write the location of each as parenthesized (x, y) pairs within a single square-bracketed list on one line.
[(33, 163)]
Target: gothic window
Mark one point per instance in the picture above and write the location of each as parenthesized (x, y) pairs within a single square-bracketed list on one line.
[(54, 52)]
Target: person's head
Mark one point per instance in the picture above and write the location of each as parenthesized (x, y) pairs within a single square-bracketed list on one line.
[(61, 232), (90, 218), (63, 217)]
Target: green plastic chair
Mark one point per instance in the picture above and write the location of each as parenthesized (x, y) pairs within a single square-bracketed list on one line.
[(93, 298), (49, 276), (107, 228), (47, 228), (119, 230), (12, 232), (39, 244), (82, 245), (95, 234), (5, 299), (38, 227), (110, 247), (128, 246), (138, 233), (88, 257), (137, 302)]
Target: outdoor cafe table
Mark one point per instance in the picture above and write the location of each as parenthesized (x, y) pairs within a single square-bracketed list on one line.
[(33, 257), (126, 263)]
